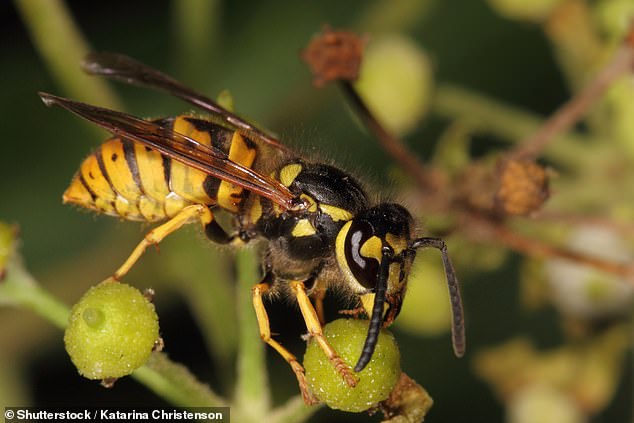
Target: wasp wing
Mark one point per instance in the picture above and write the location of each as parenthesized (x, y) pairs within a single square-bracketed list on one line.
[(179, 147), (125, 69)]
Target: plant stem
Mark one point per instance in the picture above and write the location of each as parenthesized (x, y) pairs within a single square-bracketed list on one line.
[(174, 383), (170, 380), (494, 232), (196, 29), (20, 288), (509, 123), (252, 388), (293, 411), (62, 46), (393, 145), (573, 110), (203, 278)]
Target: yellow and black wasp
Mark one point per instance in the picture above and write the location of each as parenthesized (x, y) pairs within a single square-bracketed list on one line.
[(321, 229)]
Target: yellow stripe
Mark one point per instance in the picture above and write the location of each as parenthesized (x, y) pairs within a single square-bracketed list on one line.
[(367, 300), (77, 193), (229, 195), (256, 210), (98, 184), (117, 169), (335, 213), (127, 210), (151, 210), (183, 126), (184, 180), (289, 173), (151, 173), (173, 204), (303, 228), (95, 180)]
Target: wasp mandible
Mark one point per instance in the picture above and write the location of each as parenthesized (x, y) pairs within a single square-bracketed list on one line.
[(322, 230)]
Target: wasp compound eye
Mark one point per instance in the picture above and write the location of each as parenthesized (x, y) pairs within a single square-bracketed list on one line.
[(363, 253)]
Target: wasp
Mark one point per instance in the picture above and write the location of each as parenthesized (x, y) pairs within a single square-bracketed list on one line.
[(321, 229)]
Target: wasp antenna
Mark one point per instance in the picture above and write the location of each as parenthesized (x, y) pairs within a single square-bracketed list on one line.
[(377, 314), (457, 314)]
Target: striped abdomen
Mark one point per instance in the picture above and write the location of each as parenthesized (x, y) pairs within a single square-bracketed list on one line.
[(126, 179)]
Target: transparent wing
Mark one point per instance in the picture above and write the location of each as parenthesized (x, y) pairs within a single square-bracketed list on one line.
[(125, 69), (181, 148)]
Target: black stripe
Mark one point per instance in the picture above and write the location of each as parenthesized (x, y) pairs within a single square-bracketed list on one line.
[(90, 191), (167, 171), (167, 122), (211, 186), (220, 136), (102, 169), (251, 145), (130, 159)]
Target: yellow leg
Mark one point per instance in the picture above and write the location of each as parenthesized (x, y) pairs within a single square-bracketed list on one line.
[(314, 328), (318, 297), (159, 233), (265, 334)]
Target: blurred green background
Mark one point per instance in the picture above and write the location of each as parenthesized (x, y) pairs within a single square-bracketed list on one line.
[(252, 49)]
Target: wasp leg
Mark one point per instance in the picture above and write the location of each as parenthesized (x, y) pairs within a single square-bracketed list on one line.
[(314, 329), (217, 234), (265, 333), (318, 297), (159, 233), (355, 312)]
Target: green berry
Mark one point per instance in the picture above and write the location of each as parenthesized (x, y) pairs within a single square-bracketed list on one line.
[(375, 381), (396, 82), (111, 331), (427, 309)]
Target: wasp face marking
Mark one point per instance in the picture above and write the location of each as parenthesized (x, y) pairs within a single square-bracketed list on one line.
[(363, 243)]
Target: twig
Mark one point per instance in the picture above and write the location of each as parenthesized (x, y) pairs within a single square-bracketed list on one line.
[(19, 288), (203, 279), (390, 143), (170, 380), (570, 219), (252, 387), (571, 112), (506, 122), (197, 26), (518, 242), (336, 56), (175, 383), (293, 410), (63, 51)]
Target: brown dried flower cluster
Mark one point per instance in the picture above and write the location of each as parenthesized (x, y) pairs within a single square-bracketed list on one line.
[(523, 187), (334, 55)]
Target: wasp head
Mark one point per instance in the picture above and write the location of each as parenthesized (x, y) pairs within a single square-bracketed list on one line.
[(375, 251)]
